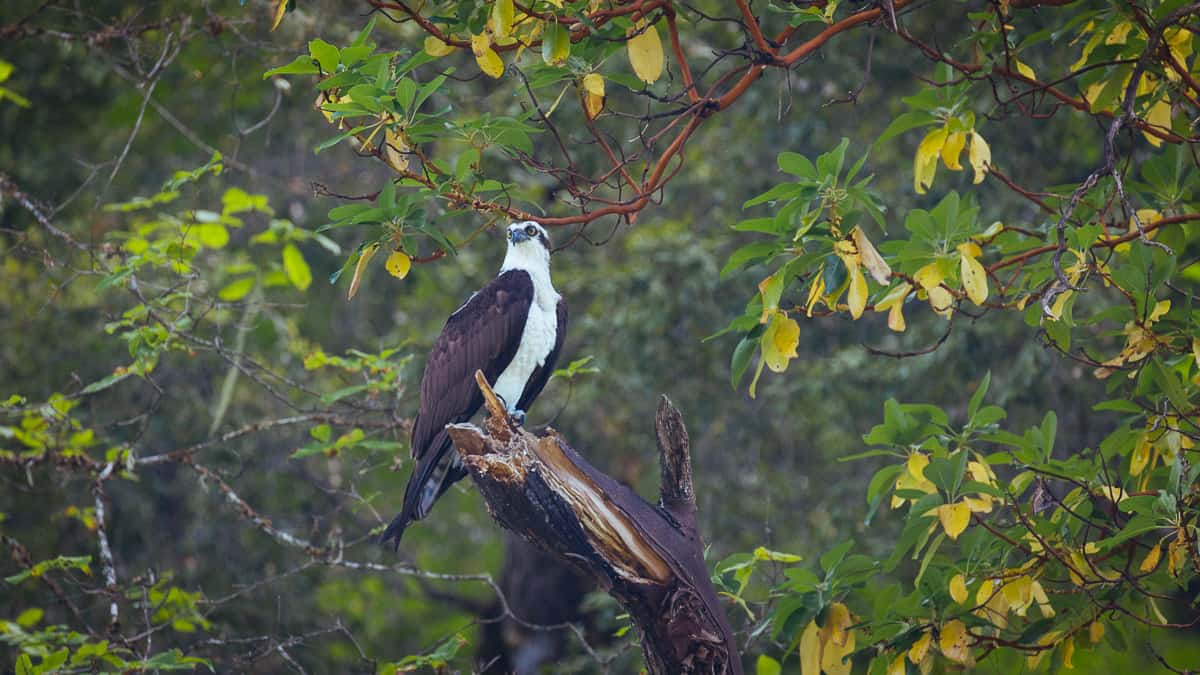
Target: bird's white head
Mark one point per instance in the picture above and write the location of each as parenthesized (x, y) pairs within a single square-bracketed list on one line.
[(528, 247)]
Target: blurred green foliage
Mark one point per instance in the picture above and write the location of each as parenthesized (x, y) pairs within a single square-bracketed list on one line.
[(200, 436)]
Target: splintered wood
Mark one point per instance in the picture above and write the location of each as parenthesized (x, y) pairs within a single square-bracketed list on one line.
[(649, 558)]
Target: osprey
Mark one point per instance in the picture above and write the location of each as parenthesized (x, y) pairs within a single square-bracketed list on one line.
[(512, 330)]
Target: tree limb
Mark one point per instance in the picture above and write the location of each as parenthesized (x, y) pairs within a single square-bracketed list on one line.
[(649, 558)]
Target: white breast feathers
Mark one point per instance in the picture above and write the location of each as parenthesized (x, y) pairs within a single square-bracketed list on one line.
[(537, 341)]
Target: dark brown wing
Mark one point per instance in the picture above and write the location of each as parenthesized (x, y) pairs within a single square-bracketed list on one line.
[(482, 335), (541, 375)]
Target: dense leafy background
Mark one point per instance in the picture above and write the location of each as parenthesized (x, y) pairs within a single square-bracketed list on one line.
[(181, 304)]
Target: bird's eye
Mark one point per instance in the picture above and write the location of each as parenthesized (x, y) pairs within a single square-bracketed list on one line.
[(531, 231)]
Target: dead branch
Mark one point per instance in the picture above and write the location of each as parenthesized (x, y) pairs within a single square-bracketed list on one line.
[(650, 558)]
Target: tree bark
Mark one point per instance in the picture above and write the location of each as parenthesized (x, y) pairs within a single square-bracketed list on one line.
[(650, 558)]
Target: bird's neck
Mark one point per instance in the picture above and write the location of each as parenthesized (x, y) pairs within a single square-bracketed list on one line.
[(537, 265)]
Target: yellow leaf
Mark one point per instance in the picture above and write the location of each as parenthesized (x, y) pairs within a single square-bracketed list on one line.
[(993, 606), (925, 162), (1141, 455), (489, 61), (1090, 45), (979, 504), (916, 465), (857, 297), (1060, 303), (833, 656), (296, 267), (1118, 34), (837, 641), (363, 259), (502, 17), (1096, 632), (893, 304), (1146, 216), (398, 264), (974, 277), (994, 229), (942, 301), (1159, 115), (918, 650), (1034, 659), (954, 642), (897, 667), (280, 8), (896, 318), (1042, 600), (958, 588), (1025, 70), (645, 52), (980, 472), (929, 276), (810, 650), (954, 518), (817, 289), (1018, 593), (980, 156), (593, 94), (394, 148), (779, 342), (1068, 652), (1151, 560), (870, 258), (952, 149), (837, 620), (1179, 43), (435, 47)]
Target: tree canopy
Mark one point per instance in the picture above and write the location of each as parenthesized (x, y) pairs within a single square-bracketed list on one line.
[(921, 277)]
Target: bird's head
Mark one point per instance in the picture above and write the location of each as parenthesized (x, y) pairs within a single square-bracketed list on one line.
[(528, 233), (528, 246)]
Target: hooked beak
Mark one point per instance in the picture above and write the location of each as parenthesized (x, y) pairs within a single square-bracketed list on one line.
[(517, 236)]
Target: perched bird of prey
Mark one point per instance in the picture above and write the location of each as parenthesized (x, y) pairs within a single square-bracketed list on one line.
[(511, 329)]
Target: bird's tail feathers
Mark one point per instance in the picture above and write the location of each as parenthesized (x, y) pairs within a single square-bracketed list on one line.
[(428, 481)]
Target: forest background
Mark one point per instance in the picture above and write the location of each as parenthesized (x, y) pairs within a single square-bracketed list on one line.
[(217, 284)]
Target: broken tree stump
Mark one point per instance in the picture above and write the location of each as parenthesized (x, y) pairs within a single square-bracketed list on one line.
[(650, 558)]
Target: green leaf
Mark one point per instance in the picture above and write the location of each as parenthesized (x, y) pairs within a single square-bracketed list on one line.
[(236, 289), (301, 65), (556, 44), (741, 359), (747, 254), (361, 38), (767, 666), (211, 235), (30, 617), (105, 383), (325, 54), (296, 268), (1170, 385), (909, 120), (977, 397), (797, 165)]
